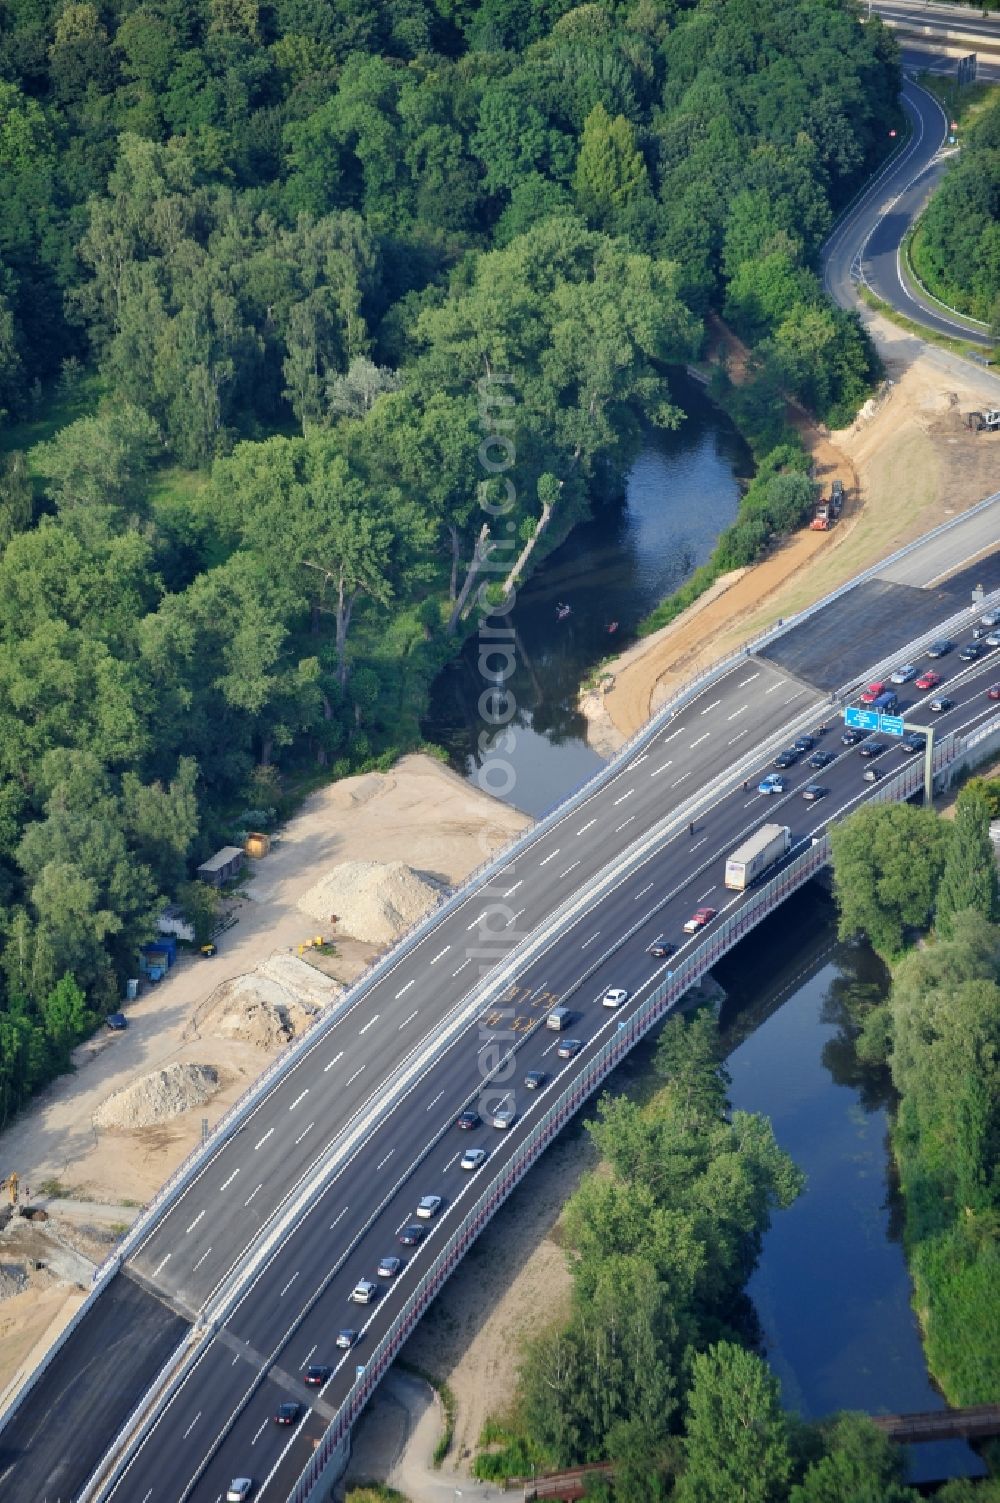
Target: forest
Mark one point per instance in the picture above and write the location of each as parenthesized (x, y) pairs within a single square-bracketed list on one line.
[(902, 875), (956, 246), (256, 264)]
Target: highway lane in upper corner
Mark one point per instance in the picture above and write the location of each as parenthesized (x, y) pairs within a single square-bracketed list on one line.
[(940, 19), (298, 1302)]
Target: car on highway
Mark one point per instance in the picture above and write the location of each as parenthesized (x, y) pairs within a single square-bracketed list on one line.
[(928, 679), (851, 737), (317, 1374), (389, 1267), (993, 640), (364, 1292), (771, 784), (535, 1079), (872, 749), (467, 1120), (941, 704), (872, 692), (287, 1414), (872, 774), (941, 648), (993, 692), (822, 759), (904, 674), (804, 743), (912, 742), (661, 947), (428, 1206), (614, 996), (787, 758), (970, 652), (504, 1117), (347, 1338), (473, 1158), (568, 1048), (699, 919), (239, 1490), (812, 793), (411, 1234), (991, 618)]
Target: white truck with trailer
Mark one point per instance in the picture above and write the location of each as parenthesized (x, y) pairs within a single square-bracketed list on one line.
[(757, 853)]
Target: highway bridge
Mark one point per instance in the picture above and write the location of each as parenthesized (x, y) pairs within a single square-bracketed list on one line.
[(240, 1278)]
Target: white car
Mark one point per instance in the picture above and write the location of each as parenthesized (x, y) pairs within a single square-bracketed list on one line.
[(428, 1207), (904, 674), (239, 1489), (991, 618), (473, 1158), (504, 1117), (364, 1292), (993, 640), (615, 996)]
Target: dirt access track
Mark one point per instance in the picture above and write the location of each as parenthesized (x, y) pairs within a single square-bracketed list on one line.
[(908, 463)]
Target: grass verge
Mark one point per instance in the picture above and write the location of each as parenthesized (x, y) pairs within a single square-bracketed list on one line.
[(963, 103), (959, 347)]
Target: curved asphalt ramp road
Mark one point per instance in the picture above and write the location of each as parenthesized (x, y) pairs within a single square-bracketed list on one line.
[(139, 1333), (841, 641)]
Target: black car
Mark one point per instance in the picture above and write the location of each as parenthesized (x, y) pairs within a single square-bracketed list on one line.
[(287, 1414), (661, 947), (821, 759), (317, 1374), (812, 793), (804, 743), (970, 652), (468, 1120), (872, 749), (911, 742), (535, 1079), (411, 1235), (940, 648), (851, 738), (787, 758)]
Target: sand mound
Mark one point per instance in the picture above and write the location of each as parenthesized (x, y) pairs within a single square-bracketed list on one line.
[(272, 1004), (374, 901), (158, 1096)]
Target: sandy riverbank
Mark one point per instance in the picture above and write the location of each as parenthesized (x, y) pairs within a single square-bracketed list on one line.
[(908, 465)]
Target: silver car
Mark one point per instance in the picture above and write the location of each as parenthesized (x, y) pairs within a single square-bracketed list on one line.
[(428, 1207), (239, 1489), (904, 674), (474, 1158)]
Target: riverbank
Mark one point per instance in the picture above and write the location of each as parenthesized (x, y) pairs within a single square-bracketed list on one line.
[(912, 464)]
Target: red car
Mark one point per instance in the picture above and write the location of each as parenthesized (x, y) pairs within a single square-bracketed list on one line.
[(928, 680), (871, 694), (993, 692), (699, 920)]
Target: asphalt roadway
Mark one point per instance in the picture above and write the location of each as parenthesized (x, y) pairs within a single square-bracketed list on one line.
[(865, 245), (222, 1423), (47, 1452), (940, 20)]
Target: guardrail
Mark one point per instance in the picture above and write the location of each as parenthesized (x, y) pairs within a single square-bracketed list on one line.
[(676, 983), (480, 876)]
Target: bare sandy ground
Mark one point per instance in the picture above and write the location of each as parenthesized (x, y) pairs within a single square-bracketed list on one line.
[(907, 468), (420, 813)]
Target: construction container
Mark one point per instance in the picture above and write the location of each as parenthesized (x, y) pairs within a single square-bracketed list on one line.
[(257, 844)]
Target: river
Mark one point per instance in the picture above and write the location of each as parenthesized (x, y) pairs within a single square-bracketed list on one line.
[(831, 1290), (681, 492)]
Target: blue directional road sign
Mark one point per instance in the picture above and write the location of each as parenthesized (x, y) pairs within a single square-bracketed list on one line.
[(892, 725), (860, 720)]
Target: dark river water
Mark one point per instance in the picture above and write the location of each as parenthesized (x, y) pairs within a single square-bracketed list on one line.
[(831, 1291), (681, 492)]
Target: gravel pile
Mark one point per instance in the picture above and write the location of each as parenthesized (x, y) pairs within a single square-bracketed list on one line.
[(256, 1009), (13, 1279), (158, 1096), (374, 901)]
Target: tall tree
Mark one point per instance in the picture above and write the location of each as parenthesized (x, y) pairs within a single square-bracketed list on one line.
[(969, 878), (735, 1436)]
